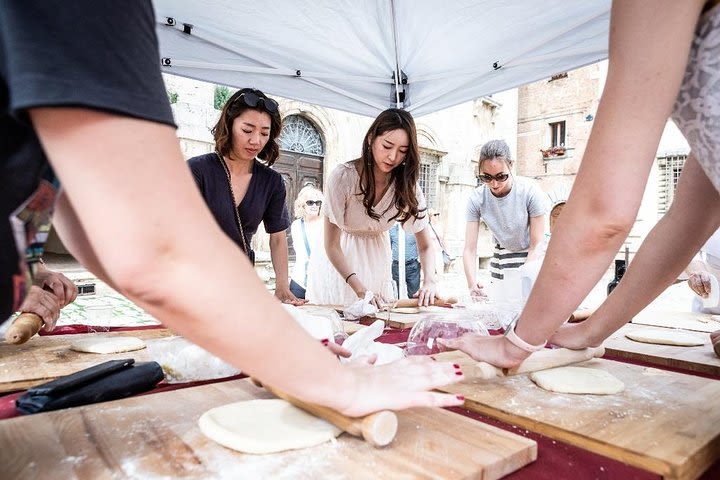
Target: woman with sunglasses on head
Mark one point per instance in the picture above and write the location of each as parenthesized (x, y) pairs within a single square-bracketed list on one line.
[(513, 208), (364, 199), (306, 233), (238, 184)]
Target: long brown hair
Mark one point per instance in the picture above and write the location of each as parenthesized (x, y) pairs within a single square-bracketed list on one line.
[(233, 108), (404, 176)]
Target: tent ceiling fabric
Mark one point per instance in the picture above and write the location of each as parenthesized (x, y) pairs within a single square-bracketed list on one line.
[(343, 53)]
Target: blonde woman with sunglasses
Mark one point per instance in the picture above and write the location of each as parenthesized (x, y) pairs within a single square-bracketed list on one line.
[(513, 208), (306, 232)]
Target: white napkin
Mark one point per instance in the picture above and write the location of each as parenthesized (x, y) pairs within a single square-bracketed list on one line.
[(317, 326), (362, 343), (361, 308)]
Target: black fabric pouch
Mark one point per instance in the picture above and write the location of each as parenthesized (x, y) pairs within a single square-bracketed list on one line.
[(107, 381)]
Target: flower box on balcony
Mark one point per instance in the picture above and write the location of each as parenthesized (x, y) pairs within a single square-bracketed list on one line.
[(553, 152)]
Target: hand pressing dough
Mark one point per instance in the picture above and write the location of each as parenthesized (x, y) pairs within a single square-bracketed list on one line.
[(405, 310), (265, 426), (577, 380), (103, 344), (666, 337)]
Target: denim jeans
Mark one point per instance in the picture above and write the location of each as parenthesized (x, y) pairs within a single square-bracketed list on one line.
[(412, 276), (296, 289)]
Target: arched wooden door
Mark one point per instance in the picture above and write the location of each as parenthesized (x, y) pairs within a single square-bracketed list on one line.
[(301, 160)]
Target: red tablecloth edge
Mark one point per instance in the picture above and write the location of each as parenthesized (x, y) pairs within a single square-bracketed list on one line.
[(76, 328)]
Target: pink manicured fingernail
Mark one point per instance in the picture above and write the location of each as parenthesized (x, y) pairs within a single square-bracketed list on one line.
[(460, 397)]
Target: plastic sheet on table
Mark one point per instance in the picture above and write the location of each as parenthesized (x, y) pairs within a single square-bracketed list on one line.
[(183, 361)]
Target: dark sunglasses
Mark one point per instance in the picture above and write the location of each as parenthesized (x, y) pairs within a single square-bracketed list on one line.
[(310, 203), (254, 100), (500, 177)]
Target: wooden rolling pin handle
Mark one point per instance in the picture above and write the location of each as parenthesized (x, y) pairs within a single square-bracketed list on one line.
[(23, 328), (413, 302), (378, 429), (541, 360)]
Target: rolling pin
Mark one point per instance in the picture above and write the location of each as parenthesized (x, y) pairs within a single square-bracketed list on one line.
[(23, 328), (581, 315), (378, 429), (542, 360), (413, 302)]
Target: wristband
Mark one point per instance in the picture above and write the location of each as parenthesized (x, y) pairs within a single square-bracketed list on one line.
[(519, 342), (348, 277)]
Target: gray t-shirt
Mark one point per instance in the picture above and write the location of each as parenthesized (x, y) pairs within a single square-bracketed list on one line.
[(508, 217)]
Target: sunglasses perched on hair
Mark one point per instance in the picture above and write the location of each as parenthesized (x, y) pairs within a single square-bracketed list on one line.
[(254, 100), (500, 177), (310, 203)]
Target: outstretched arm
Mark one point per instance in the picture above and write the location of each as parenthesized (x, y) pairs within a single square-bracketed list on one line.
[(426, 252), (279, 257), (649, 45), (537, 235)]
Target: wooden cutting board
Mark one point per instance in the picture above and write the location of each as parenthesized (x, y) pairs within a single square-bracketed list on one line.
[(664, 422), (407, 320), (699, 322), (699, 359), (42, 359), (157, 436)]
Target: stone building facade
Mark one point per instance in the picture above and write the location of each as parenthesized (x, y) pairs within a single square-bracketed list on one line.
[(560, 112)]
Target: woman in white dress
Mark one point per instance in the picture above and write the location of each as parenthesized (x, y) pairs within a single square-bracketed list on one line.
[(363, 200), (306, 232)]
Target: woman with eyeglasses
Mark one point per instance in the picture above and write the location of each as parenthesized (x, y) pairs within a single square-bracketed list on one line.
[(238, 184), (513, 208), (306, 233), (364, 199)]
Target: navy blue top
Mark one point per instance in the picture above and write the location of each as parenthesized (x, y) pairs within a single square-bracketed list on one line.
[(263, 202), (98, 54)]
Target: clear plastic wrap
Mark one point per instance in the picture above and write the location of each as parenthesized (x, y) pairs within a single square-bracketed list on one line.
[(424, 334), (183, 361)]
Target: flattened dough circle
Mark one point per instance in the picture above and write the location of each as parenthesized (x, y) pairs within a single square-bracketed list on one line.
[(104, 344), (265, 426), (666, 337), (580, 380)]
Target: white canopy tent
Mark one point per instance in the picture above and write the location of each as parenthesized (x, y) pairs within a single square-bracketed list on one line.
[(363, 56)]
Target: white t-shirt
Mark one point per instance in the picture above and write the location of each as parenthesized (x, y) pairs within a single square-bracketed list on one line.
[(313, 230)]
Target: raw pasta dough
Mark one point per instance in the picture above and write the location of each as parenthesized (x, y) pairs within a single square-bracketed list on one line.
[(577, 380), (666, 337), (265, 426), (103, 344)]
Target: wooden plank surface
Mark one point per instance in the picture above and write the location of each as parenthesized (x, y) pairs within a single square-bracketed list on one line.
[(407, 320), (42, 359), (156, 436), (699, 322), (701, 359), (664, 422)]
